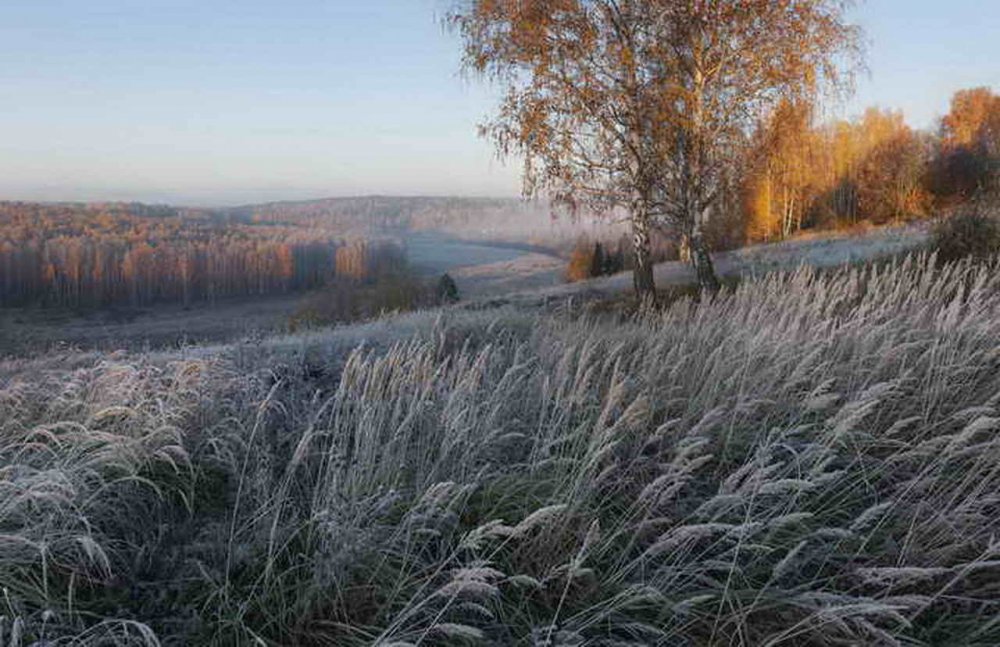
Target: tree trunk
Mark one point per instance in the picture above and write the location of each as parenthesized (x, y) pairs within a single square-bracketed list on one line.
[(703, 267), (642, 273), (700, 258)]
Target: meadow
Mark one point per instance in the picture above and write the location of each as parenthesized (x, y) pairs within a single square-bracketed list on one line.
[(727, 373), (809, 458)]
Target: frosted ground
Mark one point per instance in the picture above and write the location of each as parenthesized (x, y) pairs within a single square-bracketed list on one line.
[(531, 277), (809, 460)]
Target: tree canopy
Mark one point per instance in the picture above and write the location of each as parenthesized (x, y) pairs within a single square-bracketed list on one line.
[(645, 104)]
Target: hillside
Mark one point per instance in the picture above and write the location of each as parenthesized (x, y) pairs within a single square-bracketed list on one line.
[(487, 276), (727, 374), (808, 460), (116, 255)]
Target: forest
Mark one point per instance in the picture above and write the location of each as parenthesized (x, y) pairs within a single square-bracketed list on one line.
[(74, 255), (874, 169)]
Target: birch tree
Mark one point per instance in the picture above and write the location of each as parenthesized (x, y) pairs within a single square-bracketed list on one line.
[(638, 104)]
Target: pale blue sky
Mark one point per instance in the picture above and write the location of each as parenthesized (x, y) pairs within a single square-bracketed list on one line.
[(229, 101)]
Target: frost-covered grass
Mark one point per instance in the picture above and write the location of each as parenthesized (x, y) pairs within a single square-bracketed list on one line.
[(812, 459)]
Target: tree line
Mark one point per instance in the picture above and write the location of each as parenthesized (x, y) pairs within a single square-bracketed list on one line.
[(797, 174), (875, 169), (74, 255)]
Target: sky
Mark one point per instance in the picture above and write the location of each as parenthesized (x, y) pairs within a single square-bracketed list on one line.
[(211, 102)]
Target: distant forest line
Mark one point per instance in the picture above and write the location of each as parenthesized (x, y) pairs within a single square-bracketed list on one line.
[(129, 254), (94, 255)]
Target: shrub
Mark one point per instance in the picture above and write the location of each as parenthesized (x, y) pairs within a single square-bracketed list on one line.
[(972, 232), (447, 291), (345, 301), (581, 263), (590, 260)]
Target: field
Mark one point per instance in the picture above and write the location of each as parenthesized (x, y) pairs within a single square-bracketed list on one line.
[(726, 374), (808, 459), (487, 274)]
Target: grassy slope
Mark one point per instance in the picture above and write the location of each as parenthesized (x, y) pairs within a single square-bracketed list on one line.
[(824, 249), (525, 280), (812, 459)]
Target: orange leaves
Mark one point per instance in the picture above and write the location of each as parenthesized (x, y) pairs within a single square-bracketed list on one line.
[(645, 105), (969, 158), (531, 33), (98, 255), (974, 118), (802, 175)]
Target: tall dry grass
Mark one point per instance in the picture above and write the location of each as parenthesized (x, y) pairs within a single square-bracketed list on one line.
[(811, 459)]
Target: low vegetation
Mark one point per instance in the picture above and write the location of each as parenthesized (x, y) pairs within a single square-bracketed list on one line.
[(805, 459), (590, 260), (350, 300), (973, 231)]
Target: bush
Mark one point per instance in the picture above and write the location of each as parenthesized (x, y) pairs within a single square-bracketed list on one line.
[(347, 300), (581, 263), (974, 232), (591, 260), (447, 291)]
